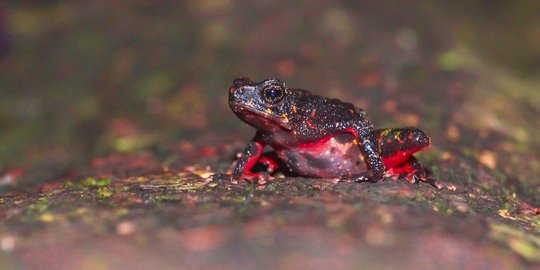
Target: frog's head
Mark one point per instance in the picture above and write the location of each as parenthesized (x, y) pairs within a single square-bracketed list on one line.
[(263, 105)]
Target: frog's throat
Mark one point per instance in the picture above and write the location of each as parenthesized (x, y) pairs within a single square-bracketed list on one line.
[(281, 121)]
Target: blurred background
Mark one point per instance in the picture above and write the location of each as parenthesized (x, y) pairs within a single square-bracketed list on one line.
[(100, 99), (80, 79)]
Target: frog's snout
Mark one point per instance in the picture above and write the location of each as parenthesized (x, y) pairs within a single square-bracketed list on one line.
[(236, 92), (239, 82), (242, 92)]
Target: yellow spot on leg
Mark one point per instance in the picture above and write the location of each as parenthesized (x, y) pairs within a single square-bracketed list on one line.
[(285, 117), (385, 132)]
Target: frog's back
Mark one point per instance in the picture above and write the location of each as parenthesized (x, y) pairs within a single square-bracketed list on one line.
[(322, 110)]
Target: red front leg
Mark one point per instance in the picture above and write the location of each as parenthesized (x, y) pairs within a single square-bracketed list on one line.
[(271, 161), (248, 158)]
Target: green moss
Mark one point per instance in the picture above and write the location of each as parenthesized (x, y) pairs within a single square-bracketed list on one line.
[(536, 224), (166, 198), (420, 197), (134, 143), (272, 187), (39, 206), (525, 244), (451, 60), (186, 183), (236, 199), (93, 182), (120, 212), (499, 176), (208, 206), (104, 192), (304, 187), (249, 188), (36, 208)]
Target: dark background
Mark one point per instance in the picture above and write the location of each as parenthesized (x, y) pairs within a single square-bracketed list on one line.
[(114, 117)]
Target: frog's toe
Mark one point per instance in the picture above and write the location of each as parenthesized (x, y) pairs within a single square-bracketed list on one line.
[(247, 176), (411, 178), (365, 177), (395, 175), (439, 184)]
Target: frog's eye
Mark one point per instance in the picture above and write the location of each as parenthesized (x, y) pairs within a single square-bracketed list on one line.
[(273, 93)]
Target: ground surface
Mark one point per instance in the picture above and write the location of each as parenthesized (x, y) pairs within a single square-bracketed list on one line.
[(115, 148)]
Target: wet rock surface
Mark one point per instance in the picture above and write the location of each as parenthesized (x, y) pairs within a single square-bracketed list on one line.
[(196, 219)]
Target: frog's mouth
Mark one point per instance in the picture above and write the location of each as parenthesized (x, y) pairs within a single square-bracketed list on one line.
[(253, 116)]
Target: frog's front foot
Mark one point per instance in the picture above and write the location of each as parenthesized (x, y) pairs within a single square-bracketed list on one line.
[(247, 176), (253, 178), (270, 161)]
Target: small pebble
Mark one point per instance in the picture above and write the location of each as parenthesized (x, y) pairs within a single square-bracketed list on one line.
[(125, 228), (7, 243)]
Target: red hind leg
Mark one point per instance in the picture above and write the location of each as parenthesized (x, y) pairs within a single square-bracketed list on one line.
[(397, 145), (413, 171)]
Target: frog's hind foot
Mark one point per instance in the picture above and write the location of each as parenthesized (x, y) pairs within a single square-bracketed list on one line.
[(435, 183), (413, 172)]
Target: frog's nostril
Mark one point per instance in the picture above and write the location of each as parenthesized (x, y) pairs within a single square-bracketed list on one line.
[(236, 93)]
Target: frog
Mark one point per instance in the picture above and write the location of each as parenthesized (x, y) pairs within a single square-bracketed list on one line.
[(320, 137)]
